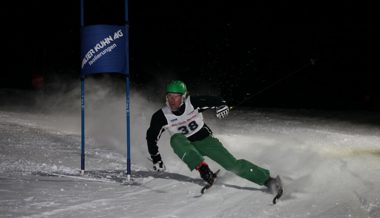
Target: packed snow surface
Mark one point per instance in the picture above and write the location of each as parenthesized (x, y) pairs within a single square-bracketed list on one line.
[(330, 166)]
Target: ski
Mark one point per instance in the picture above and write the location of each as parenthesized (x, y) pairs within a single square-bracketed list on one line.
[(208, 185), (278, 190)]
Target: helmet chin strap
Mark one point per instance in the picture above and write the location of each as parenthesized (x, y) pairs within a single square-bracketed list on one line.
[(183, 98)]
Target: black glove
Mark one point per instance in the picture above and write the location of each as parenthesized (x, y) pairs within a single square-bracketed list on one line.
[(158, 165), (222, 111)]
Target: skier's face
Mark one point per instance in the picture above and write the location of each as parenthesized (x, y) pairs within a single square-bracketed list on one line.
[(174, 101)]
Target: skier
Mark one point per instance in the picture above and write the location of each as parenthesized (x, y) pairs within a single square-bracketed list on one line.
[(191, 139)]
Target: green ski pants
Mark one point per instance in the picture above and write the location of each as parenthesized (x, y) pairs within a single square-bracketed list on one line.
[(192, 154)]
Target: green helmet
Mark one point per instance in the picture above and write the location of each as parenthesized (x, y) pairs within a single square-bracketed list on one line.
[(176, 86)]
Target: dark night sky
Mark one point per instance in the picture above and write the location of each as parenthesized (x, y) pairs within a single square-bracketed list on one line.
[(237, 50)]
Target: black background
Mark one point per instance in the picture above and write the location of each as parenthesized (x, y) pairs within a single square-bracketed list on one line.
[(259, 54)]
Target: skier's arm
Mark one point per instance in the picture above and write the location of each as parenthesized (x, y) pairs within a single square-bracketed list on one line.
[(153, 134), (207, 102)]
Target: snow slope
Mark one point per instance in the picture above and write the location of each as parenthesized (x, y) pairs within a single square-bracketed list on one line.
[(330, 166)]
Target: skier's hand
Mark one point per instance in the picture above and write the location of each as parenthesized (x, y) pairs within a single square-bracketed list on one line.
[(158, 165), (222, 111)]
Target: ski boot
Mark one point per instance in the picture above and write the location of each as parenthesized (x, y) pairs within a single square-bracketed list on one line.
[(205, 173), (275, 187)]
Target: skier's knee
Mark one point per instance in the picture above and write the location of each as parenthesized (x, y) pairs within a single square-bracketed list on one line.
[(231, 165)]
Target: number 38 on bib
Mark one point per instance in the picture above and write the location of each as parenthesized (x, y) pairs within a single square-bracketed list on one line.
[(190, 122)]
